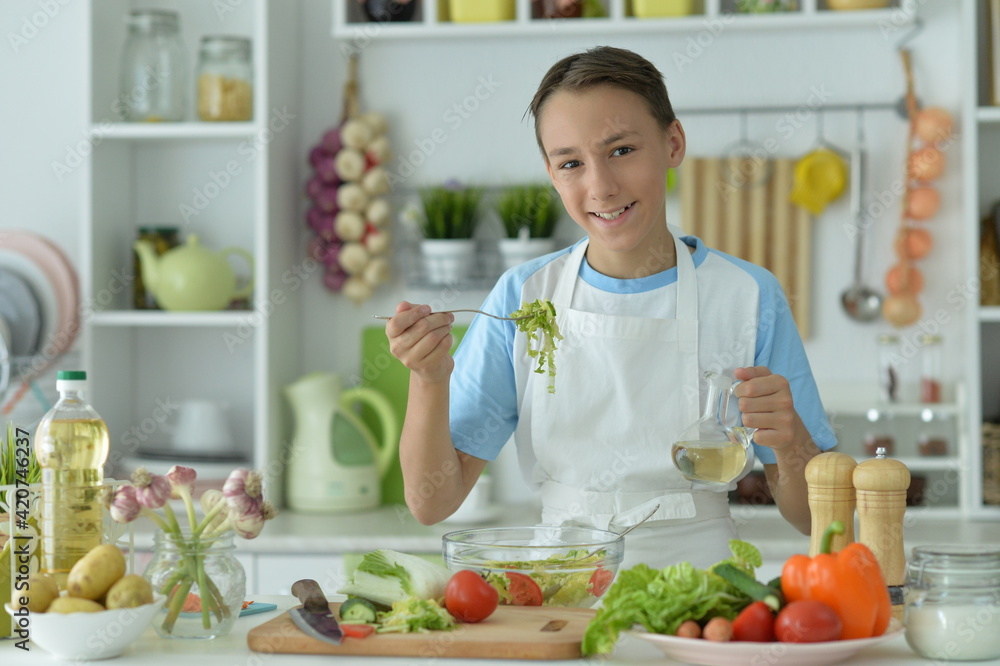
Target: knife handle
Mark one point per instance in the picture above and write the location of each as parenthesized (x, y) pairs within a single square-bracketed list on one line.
[(311, 595)]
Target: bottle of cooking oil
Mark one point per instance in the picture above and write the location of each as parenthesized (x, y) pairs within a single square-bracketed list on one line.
[(71, 444)]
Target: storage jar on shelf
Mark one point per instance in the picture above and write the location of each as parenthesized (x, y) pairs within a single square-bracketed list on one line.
[(930, 368), (225, 79), (153, 77)]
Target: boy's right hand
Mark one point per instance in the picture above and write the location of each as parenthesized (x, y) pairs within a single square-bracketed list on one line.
[(422, 341)]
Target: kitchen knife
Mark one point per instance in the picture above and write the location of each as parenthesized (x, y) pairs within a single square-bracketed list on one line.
[(314, 618)]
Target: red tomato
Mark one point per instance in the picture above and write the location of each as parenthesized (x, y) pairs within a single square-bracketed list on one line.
[(807, 621), (357, 630), (600, 581), (523, 590), (470, 598), (754, 623)]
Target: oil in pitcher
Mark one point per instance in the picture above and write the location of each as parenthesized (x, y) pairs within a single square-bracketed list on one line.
[(710, 450)]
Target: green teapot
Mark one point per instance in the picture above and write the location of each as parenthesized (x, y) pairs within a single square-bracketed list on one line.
[(191, 277)]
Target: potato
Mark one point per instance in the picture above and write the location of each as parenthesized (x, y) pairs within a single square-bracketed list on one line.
[(74, 605), (129, 592), (37, 595), (94, 574)]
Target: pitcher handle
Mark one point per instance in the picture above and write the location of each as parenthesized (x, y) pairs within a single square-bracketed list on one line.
[(247, 289), (385, 453), (728, 396)]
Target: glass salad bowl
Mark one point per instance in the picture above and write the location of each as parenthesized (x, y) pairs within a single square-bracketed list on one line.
[(544, 565)]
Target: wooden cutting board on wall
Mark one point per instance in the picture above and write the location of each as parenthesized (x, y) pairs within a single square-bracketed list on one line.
[(511, 632), (750, 217)]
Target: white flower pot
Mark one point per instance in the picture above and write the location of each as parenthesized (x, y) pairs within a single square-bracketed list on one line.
[(448, 261), (516, 251)]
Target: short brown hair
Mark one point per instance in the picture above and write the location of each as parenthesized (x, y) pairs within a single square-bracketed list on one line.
[(605, 65)]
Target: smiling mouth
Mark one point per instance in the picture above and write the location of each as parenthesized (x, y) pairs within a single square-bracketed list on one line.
[(613, 215)]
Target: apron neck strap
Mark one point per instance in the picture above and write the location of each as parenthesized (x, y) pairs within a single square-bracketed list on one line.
[(687, 282)]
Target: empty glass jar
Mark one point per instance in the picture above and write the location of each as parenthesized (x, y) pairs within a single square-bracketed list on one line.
[(153, 77), (225, 79)]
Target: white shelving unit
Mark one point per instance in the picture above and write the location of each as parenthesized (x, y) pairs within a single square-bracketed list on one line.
[(980, 130), (856, 411), (142, 174), (433, 20)]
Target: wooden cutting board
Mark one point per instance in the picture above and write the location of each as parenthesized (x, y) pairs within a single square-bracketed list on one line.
[(512, 632)]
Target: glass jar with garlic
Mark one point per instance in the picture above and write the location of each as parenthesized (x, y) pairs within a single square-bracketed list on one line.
[(225, 79)]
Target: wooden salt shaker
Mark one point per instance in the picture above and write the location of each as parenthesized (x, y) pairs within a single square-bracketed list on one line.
[(831, 497), (881, 484)]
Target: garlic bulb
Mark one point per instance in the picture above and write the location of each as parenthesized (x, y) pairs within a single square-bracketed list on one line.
[(378, 242), (356, 134), (378, 212), (349, 225), (377, 271), (352, 197), (358, 290), (349, 164), (375, 181), (380, 150), (376, 122), (353, 258)]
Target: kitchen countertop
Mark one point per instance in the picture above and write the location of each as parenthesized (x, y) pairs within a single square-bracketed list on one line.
[(151, 650), (393, 527)]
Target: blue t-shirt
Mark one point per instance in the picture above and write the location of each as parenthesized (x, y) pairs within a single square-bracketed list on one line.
[(758, 329)]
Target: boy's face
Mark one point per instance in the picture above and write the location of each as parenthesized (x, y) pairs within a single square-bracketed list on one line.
[(608, 159)]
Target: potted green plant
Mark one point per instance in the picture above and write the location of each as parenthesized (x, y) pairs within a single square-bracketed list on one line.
[(529, 214), (449, 223), (12, 469)]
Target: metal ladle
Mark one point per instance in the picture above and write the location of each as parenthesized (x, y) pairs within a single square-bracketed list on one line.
[(861, 302)]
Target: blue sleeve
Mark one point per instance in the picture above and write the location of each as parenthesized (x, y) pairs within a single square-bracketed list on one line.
[(483, 408), (780, 349)]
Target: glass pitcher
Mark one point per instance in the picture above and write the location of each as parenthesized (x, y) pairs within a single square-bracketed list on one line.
[(711, 450)]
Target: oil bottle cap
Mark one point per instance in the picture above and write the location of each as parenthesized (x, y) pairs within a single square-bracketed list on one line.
[(71, 380)]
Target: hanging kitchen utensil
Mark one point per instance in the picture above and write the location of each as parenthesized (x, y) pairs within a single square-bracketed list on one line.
[(746, 163), (820, 176), (861, 302)]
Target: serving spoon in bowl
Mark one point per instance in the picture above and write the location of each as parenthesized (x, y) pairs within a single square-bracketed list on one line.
[(548, 592)]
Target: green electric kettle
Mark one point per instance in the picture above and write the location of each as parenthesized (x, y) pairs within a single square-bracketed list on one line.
[(335, 463)]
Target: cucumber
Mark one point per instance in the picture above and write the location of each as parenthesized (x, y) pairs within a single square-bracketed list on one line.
[(358, 611), (750, 586)]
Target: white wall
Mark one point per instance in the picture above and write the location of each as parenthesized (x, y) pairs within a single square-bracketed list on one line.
[(416, 82)]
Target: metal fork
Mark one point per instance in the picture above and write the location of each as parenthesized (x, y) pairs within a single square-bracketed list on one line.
[(463, 310)]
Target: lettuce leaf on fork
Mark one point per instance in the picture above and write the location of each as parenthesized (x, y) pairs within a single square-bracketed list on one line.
[(542, 331)]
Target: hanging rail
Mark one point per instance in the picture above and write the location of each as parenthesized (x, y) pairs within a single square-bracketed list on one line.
[(824, 108)]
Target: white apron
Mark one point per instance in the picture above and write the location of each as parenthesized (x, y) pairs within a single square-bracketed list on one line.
[(625, 388)]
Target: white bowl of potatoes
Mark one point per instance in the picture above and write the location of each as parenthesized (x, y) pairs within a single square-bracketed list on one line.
[(101, 612)]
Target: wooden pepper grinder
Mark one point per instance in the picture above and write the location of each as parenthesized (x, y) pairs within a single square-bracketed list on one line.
[(831, 497), (881, 485)]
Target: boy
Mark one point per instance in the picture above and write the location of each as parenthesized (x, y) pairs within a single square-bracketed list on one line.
[(642, 312)]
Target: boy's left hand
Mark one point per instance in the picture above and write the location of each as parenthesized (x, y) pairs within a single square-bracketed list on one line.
[(765, 401)]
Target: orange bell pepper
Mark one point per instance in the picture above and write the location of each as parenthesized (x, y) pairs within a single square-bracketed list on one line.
[(850, 582)]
